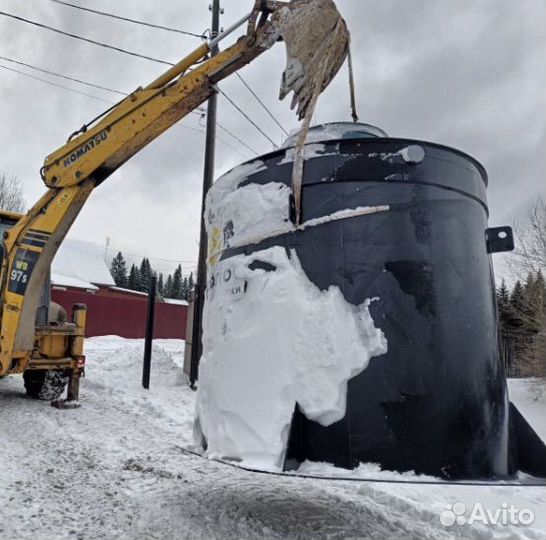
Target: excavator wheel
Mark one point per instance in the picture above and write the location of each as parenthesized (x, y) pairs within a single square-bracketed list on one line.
[(45, 385)]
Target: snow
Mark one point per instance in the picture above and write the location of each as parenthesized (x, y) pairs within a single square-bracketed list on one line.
[(129, 291), (309, 151), (231, 180), (252, 211), (529, 396), (344, 214), (175, 301), (334, 131), (68, 281), (115, 469), (80, 264), (280, 342)]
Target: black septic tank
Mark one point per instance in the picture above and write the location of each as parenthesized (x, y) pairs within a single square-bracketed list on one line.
[(436, 402)]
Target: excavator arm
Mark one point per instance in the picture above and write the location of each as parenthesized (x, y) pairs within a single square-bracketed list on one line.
[(91, 155)]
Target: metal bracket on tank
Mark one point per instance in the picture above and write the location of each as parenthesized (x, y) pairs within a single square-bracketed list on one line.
[(499, 239)]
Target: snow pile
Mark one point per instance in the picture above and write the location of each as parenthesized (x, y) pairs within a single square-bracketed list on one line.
[(273, 339), (229, 182), (248, 212), (114, 469), (238, 216), (80, 264), (363, 471)]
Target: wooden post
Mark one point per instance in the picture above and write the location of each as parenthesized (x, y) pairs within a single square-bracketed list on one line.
[(146, 365)]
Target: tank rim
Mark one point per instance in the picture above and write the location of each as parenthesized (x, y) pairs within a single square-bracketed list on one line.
[(268, 155)]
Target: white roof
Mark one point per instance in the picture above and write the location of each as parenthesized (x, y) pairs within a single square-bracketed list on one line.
[(80, 264), (122, 289), (175, 301), (67, 281)]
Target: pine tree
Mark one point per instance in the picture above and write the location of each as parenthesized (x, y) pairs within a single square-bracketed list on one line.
[(503, 301), (534, 302), (177, 283), (145, 274), (168, 287), (184, 288), (133, 282), (160, 285), (191, 286), (118, 269), (517, 305), (540, 285)]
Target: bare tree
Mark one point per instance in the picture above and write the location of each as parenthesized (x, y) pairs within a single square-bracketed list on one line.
[(530, 237), (11, 194)]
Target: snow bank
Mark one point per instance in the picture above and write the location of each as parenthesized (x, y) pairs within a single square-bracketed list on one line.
[(273, 339)]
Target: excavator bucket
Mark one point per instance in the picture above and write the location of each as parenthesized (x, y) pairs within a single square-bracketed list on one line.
[(317, 42)]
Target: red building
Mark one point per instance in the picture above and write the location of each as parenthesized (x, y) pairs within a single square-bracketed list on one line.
[(80, 275)]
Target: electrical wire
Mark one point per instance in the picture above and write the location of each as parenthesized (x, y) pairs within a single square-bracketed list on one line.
[(260, 102), (92, 85), (230, 146), (184, 126), (80, 81), (240, 141), (127, 19), (217, 88), (150, 258), (54, 84), (131, 53), (88, 40), (169, 29)]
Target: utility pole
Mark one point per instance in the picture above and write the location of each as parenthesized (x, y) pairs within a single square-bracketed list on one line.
[(208, 177)]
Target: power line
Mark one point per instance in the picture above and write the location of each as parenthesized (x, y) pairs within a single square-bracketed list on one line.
[(97, 98), (124, 51), (153, 258), (216, 87), (87, 95), (54, 84), (259, 101), (240, 141), (160, 27), (92, 85), (80, 81), (127, 19), (231, 146), (88, 40)]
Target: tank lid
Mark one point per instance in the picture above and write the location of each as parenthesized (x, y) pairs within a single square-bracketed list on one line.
[(336, 130)]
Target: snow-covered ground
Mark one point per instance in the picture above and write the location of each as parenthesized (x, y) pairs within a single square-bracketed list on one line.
[(115, 468)]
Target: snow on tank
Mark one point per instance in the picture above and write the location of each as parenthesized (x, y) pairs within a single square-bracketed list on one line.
[(336, 130)]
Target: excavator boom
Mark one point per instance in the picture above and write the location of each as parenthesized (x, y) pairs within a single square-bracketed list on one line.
[(316, 41)]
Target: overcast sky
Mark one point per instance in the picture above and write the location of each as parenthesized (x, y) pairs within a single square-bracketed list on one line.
[(466, 73)]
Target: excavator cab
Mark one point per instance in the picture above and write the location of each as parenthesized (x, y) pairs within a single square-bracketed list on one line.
[(57, 359)]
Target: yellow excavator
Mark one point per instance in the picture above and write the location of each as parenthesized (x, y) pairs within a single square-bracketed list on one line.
[(50, 355)]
